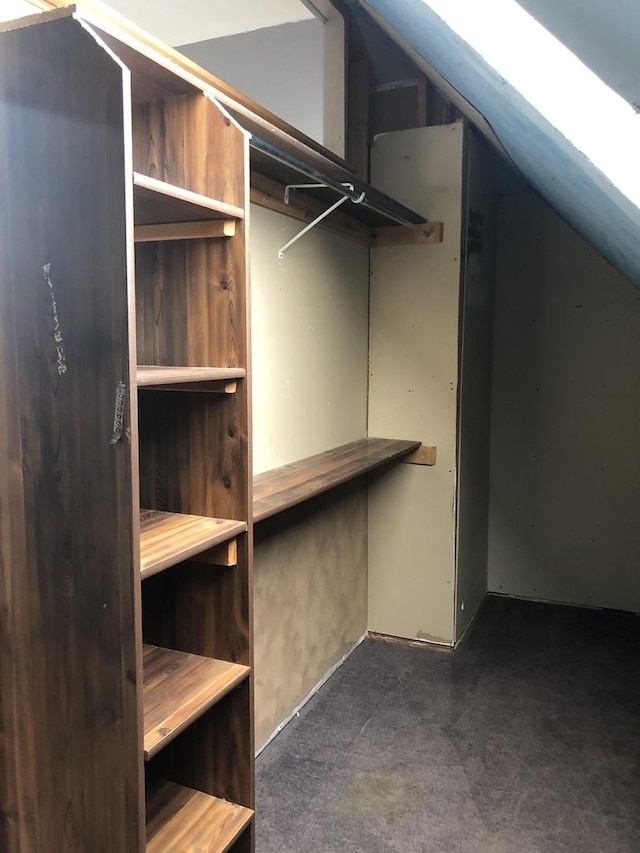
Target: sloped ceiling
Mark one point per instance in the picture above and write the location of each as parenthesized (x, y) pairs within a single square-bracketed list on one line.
[(604, 34), (563, 175)]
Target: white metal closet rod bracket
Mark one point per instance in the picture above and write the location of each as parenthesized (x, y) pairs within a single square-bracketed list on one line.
[(307, 228)]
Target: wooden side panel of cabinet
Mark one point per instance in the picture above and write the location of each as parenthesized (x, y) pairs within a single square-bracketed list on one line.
[(70, 763), (186, 140), (190, 302)]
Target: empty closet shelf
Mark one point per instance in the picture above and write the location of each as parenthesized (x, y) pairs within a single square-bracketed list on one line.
[(168, 538), (282, 488), (178, 688), (157, 202), (203, 379), (180, 819)]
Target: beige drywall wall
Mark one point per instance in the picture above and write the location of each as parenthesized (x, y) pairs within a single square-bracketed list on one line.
[(310, 592), (309, 339), (474, 400), (565, 466), (413, 388)]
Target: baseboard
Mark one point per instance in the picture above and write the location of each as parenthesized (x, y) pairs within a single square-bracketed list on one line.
[(310, 694), (555, 603)]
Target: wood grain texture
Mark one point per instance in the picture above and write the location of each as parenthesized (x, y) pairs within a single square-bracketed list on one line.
[(199, 379), (277, 490), (159, 202), (167, 539), (185, 231), (192, 452), (189, 142), (190, 303), (179, 688), (192, 306), (220, 767), (180, 819), (70, 764)]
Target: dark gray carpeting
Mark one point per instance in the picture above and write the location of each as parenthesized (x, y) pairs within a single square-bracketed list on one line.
[(526, 739)]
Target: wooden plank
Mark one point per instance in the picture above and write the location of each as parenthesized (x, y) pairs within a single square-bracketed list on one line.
[(221, 380), (398, 235), (180, 819), (158, 202), (178, 688), (424, 455), (270, 194), (282, 488), (71, 763), (185, 231), (168, 538)]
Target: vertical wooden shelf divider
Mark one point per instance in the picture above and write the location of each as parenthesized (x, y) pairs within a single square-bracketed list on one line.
[(124, 384)]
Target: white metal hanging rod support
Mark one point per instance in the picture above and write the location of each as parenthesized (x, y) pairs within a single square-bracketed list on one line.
[(307, 228)]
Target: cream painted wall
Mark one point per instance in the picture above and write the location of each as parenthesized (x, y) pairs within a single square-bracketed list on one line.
[(474, 399), (565, 467), (309, 337), (310, 343), (413, 389)]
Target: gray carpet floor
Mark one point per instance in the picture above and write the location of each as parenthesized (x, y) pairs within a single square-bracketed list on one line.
[(525, 740)]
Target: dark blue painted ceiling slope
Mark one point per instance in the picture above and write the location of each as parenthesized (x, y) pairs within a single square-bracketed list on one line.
[(570, 182)]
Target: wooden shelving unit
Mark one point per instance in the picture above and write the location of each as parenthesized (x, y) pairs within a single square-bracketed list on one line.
[(280, 489), (169, 538), (180, 818), (178, 688), (124, 385)]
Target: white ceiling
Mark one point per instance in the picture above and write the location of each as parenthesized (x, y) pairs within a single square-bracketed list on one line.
[(10, 9), (179, 22)]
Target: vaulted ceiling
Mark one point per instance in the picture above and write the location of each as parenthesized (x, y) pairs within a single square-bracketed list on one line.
[(598, 201)]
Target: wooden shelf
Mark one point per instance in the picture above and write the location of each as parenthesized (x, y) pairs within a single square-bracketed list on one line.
[(156, 202), (202, 379), (169, 538), (179, 688), (180, 819), (282, 488)]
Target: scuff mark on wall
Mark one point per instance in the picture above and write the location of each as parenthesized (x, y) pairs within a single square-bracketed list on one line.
[(432, 638)]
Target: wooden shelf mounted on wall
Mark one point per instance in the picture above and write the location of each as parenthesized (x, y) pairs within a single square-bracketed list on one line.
[(277, 490)]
